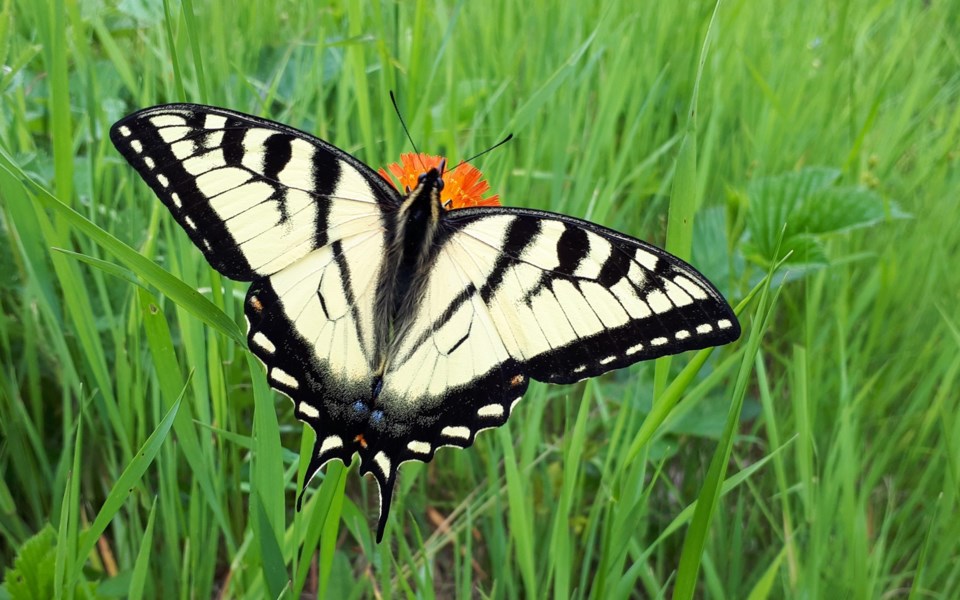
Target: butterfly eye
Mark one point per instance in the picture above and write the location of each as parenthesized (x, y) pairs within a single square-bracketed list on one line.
[(440, 183), (421, 178)]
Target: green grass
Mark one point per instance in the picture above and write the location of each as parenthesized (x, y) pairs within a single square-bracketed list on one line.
[(144, 455)]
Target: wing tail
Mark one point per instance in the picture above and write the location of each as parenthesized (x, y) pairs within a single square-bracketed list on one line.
[(383, 467)]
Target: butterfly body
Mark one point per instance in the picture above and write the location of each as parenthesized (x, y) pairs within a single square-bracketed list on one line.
[(395, 325), (411, 248)]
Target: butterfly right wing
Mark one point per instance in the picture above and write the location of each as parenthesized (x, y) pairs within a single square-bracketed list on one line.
[(254, 195), (516, 294)]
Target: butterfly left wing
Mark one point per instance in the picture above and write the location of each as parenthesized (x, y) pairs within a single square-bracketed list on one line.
[(299, 218), (518, 294)]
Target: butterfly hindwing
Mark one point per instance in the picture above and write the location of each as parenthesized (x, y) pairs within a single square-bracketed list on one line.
[(253, 195), (311, 326)]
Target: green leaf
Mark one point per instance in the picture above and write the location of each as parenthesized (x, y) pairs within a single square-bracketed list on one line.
[(761, 590), (32, 573), (838, 209), (802, 252), (693, 543), (274, 570), (804, 206), (774, 201)]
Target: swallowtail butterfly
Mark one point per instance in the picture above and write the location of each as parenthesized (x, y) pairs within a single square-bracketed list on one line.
[(395, 325)]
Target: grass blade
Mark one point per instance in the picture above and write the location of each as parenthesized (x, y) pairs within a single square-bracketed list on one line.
[(138, 580), (125, 484)]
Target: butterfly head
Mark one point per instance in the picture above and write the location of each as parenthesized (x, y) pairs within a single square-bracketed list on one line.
[(433, 177), (430, 184), (423, 204)]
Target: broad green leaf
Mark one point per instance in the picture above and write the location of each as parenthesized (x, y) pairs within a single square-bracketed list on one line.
[(32, 573), (838, 209)]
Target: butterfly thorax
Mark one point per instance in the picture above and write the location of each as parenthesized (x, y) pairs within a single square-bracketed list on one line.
[(411, 235)]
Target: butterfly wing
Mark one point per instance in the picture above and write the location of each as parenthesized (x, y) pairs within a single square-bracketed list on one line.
[(518, 294), (254, 195), (302, 220)]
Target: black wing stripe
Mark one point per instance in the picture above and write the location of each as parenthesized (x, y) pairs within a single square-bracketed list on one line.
[(232, 141), (277, 151), (520, 234)]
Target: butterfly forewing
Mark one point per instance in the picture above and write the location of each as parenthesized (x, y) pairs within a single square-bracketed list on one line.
[(581, 300), (255, 196)]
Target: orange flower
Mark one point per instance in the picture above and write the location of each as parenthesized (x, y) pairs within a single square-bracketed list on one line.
[(463, 186)]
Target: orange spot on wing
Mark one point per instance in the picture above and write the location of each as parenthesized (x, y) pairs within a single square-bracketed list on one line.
[(361, 439)]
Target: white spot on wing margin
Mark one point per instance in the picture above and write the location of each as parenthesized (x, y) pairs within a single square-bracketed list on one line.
[(330, 442), (418, 447), (456, 432), (383, 462), (264, 342), (309, 411), (281, 376), (490, 410)]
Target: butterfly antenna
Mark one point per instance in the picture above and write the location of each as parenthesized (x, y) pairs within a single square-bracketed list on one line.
[(403, 123), (490, 149)]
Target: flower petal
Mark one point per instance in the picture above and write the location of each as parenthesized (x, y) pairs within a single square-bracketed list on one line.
[(464, 185)]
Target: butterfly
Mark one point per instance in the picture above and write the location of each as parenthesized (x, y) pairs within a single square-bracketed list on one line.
[(395, 323)]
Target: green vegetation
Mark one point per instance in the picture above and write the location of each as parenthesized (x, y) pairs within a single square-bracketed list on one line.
[(143, 455)]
